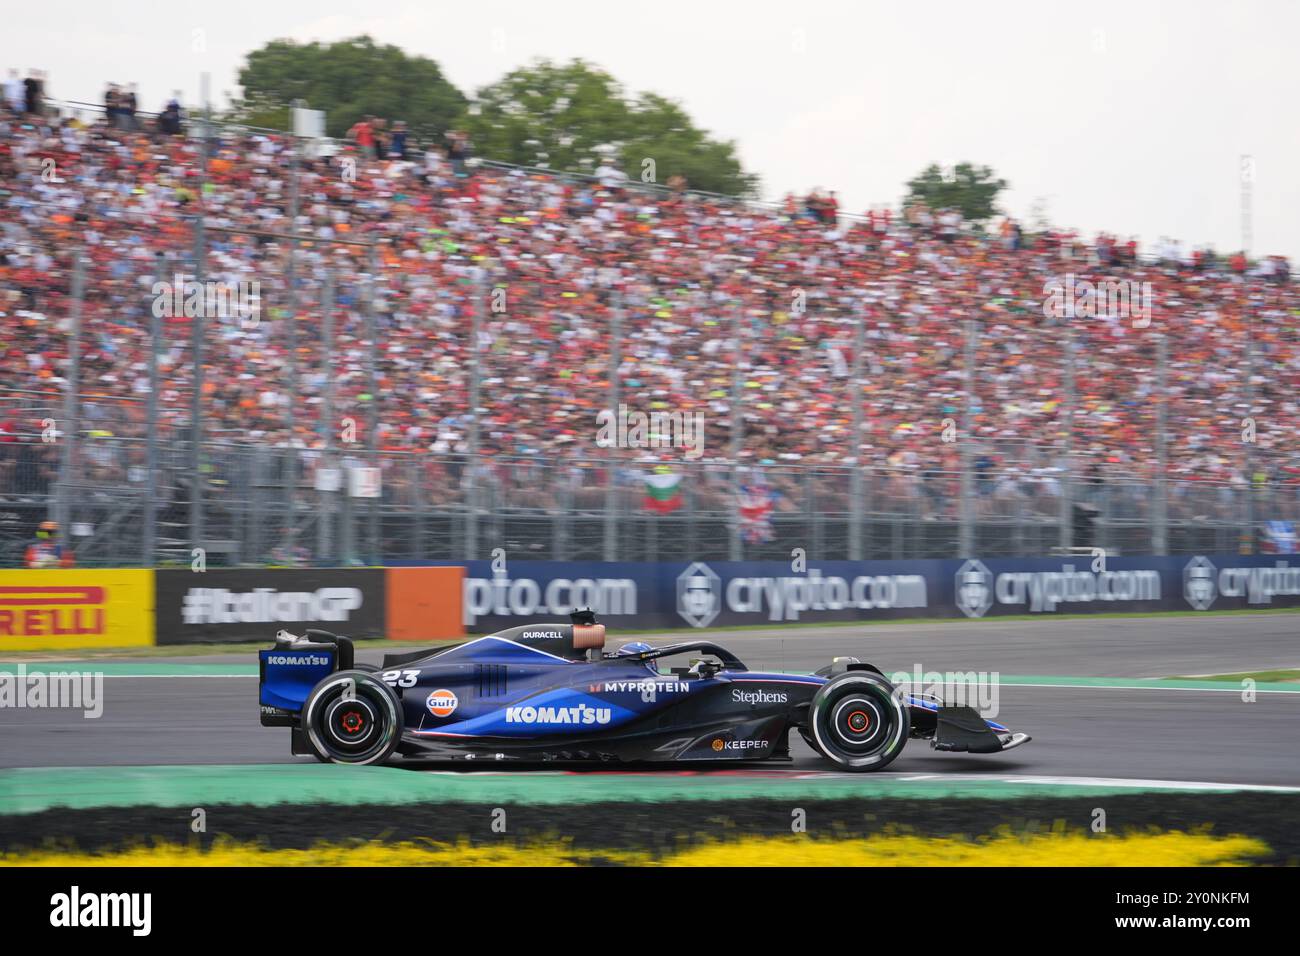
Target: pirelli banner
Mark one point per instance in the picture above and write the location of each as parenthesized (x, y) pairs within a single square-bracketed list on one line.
[(220, 605), (58, 609)]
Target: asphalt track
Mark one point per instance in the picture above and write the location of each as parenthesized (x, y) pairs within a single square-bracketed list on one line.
[(1094, 729)]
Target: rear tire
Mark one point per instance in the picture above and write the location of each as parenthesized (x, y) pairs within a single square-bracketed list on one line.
[(858, 721), (352, 717)]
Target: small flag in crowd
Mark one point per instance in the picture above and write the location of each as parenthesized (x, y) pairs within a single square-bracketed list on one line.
[(663, 490), (1279, 537), (755, 504)]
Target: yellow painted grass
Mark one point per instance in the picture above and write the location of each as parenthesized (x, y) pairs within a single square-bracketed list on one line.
[(1057, 848), (1004, 849)]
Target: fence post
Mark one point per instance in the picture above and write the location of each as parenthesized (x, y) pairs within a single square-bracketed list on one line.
[(611, 472), (196, 398), (149, 528), (1160, 517), (966, 527), (468, 477), (291, 363), (736, 549), (257, 480), (348, 536), (1067, 465), (71, 401), (415, 476), (196, 334), (855, 448), (1247, 544), (868, 497), (560, 530), (325, 516), (372, 426)]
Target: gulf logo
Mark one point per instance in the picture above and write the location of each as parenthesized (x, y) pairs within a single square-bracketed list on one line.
[(441, 703)]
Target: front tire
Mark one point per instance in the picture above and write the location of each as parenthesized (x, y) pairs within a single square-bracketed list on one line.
[(858, 721), (352, 717)]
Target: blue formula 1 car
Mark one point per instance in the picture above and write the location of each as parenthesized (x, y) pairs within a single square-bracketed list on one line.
[(550, 692)]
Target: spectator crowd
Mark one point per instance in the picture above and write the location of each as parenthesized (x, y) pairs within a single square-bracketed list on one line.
[(703, 286)]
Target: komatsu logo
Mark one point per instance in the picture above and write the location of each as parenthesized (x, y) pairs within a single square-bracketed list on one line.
[(304, 660), (758, 697), (567, 716)]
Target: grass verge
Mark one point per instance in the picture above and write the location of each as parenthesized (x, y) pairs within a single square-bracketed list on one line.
[(1260, 677)]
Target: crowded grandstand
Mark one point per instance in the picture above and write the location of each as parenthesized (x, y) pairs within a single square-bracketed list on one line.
[(744, 312)]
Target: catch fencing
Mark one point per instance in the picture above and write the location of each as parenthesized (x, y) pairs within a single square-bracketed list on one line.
[(196, 462), (294, 507)]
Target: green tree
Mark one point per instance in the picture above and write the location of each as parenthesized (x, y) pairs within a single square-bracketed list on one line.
[(972, 190), (347, 80), (570, 117)]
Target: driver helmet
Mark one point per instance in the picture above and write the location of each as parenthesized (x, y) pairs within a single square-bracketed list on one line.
[(638, 647)]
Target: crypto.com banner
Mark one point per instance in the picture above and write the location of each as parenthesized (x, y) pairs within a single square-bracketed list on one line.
[(1123, 585), (723, 593), (236, 605)]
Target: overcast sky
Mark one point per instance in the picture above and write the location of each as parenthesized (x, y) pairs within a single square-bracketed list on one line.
[(1125, 116)]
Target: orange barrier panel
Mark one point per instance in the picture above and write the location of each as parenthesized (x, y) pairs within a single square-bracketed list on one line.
[(424, 603)]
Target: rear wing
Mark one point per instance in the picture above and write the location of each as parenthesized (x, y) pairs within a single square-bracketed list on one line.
[(288, 671)]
